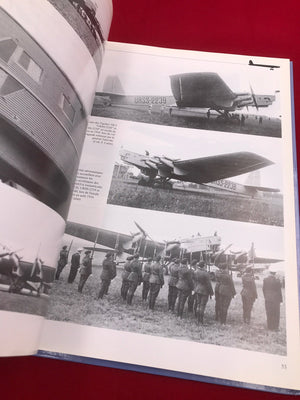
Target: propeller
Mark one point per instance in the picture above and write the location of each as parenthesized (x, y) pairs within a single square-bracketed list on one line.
[(222, 252), (253, 97), (145, 234)]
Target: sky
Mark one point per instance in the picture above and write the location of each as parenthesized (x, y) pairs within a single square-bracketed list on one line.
[(29, 226)]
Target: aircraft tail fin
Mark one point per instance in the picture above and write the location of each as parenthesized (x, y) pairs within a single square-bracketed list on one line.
[(112, 84), (251, 254), (253, 179), (252, 183)]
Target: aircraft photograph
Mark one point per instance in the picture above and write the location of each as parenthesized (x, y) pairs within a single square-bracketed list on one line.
[(125, 234), (193, 94), (194, 247), (93, 32), (29, 244), (234, 177)]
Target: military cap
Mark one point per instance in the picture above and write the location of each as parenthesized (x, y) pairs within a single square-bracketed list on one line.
[(272, 270)]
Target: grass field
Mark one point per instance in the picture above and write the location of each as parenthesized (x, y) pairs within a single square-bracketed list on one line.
[(269, 211), (270, 127), (67, 304), (23, 303)]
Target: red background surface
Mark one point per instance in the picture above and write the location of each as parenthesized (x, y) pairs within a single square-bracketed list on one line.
[(263, 28)]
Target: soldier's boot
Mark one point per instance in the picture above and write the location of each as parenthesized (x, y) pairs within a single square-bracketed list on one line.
[(144, 296), (150, 303), (129, 298), (201, 315)]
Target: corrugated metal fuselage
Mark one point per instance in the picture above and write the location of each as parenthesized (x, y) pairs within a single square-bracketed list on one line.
[(42, 121)]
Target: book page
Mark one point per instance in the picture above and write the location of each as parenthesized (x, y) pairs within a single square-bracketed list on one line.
[(47, 83), (187, 166)]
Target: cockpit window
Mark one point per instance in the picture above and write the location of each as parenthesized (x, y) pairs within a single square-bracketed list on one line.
[(67, 108), (8, 84), (32, 68), (7, 48)]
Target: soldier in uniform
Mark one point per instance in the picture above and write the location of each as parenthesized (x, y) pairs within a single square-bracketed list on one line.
[(125, 274), (224, 293), (273, 298), (108, 273), (62, 261), (146, 277), (156, 281), (184, 286), (173, 291), (85, 270), (203, 289), (134, 278), (248, 293), (75, 264)]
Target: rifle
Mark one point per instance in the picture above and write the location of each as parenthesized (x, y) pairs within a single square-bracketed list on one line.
[(95, 242), (36, 259), (69, 249)]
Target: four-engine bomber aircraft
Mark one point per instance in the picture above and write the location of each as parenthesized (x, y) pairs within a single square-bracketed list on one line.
[(208, 90), (141, 242), (195, 90), (204, 170), (121, 243), (206, 248)]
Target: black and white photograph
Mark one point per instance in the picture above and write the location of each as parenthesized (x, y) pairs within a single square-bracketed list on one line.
[(90, 19), (190, 93), (40, 149), (29, 244), (181, 277), (236, 177)]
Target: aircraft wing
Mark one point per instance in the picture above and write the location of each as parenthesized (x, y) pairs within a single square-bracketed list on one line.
[(213, 168), (99, 249), (265, 260), (105, 238), (113, 240), (201, 89)]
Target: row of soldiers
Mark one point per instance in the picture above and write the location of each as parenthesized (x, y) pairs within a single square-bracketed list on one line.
[(189, 284)]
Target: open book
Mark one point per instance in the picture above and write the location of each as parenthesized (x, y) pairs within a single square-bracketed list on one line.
[(149, 211)]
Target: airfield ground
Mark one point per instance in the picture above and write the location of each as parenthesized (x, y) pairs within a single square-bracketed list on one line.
[(23, 303), (269, 126), (66, 304), (215, 205)]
